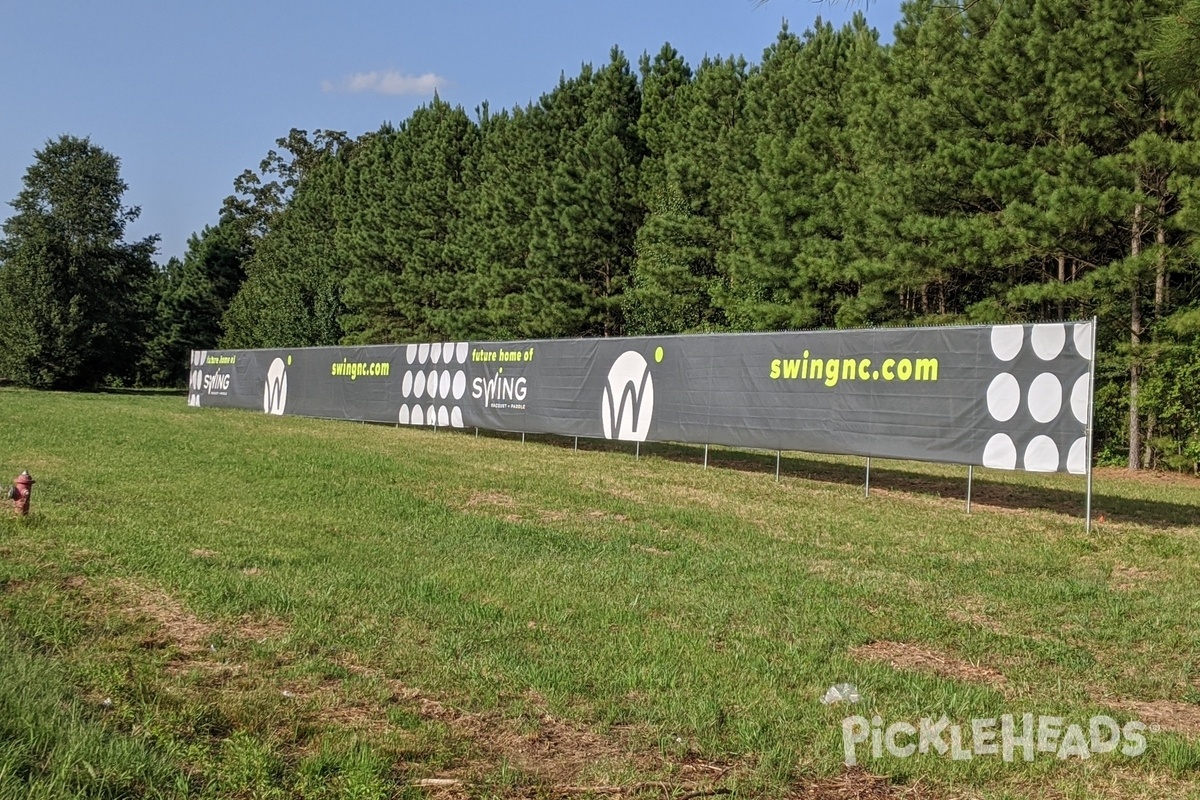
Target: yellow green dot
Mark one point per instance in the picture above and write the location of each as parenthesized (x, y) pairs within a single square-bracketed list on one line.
[(658, 355), (289, 361)]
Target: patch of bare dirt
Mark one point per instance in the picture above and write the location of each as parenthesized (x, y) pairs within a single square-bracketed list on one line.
[(203, 552), (566, 756), (565, 759), (1147, 476), (858, 784), (556, 751), (13, 585), (1173, 716), (560, 758), (180, 626), (1125, 783), (551, 750), (902, 655)]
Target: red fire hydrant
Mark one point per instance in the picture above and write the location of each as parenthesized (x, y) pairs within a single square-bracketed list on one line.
[(21, 492)]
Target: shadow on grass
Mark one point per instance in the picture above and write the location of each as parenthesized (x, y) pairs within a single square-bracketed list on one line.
[(155, 392), (984, 491), (143, 392)]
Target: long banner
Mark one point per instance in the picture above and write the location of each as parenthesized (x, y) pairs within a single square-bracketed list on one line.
[(1006, 396)]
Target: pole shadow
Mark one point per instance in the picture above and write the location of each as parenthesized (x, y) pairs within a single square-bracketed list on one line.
[(889, 475)]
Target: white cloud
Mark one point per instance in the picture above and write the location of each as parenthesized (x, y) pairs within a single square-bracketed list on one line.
[(391, 82)]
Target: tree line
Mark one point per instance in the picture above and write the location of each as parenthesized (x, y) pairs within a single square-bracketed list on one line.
[(1001, 160)]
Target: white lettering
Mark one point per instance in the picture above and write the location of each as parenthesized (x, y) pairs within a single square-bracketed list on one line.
[(499, 388), (855, 730), (217, 383)]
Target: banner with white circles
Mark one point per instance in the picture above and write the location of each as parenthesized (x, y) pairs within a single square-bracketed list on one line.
[(1014, 397)]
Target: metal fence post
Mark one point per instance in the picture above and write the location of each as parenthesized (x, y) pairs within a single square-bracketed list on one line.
[(970, 476)]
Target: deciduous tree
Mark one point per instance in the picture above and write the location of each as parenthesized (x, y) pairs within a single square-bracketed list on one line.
[(74, 295)]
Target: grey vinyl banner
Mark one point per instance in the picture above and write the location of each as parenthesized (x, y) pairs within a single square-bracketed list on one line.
[(1006, 396)]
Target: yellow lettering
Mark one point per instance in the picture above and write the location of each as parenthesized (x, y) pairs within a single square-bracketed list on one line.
[(831, 372)]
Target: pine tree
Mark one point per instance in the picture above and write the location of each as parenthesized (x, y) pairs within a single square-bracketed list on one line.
[(402, 208), (505, 174), (1174, 50), (1135, 136), (192, 296), (588, 214), (789, 269), (1041, 187), (689, 126)]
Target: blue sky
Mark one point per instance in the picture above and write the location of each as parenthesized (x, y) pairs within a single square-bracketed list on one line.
[(190, 94)]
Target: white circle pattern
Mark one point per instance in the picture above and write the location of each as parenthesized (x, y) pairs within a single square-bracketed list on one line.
[(1000, 452), (1007, 341), (1048, 341), (1041, 455), (1003, 397), (1045, 397)]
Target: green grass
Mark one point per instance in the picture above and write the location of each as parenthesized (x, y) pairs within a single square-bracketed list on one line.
[(52, 748), (271, 604)]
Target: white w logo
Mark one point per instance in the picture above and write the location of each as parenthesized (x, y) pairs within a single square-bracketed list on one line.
[(628, 403), (275, 391)]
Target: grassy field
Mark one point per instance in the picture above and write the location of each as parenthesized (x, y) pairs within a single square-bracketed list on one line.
[(225, 604)]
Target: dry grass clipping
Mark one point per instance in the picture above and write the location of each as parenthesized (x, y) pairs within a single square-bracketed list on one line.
[(901, 655)]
